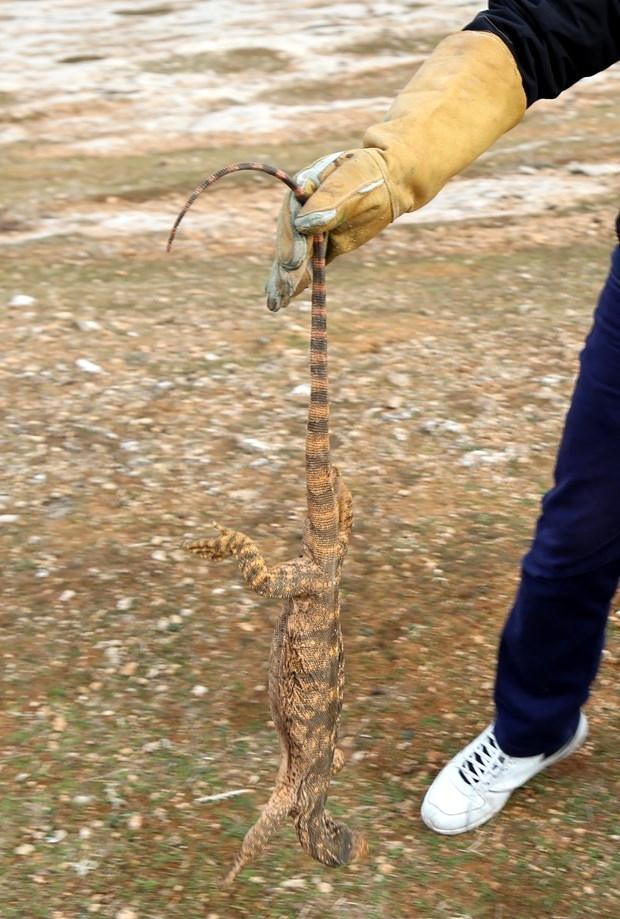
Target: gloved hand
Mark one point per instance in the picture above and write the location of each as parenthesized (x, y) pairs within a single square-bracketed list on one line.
[(466, 94)]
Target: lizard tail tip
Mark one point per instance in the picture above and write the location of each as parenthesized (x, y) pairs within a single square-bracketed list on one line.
[(229, 880)]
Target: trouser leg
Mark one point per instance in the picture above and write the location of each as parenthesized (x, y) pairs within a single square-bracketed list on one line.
[(552, 641)]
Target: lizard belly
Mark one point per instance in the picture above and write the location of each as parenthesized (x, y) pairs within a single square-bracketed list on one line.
[(306, 683)]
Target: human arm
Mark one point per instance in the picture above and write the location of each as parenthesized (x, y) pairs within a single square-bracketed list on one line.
[(470, 91), (555, 43)]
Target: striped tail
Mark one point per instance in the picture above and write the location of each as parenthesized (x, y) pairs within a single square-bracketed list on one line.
[(322, 510)]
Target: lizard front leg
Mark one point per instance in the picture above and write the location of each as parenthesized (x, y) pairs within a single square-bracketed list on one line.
[(296, 578)]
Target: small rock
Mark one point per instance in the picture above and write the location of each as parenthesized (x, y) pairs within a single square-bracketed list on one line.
[(56, 836), (135, 822), (199, 691), (594, 169), (25, 849), (253, 444), (124, 603), (324, 887), (303, 389), (82, 363), (293, 884), (66, 595), (22, 300), (59, 723), (9, 518), (129, 668), (84, 866), (126, 913), (87, 325)]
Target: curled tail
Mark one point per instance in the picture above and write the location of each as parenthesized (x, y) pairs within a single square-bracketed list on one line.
[(227, 170)]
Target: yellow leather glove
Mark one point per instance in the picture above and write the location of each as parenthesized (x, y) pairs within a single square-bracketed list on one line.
[(466, 94)]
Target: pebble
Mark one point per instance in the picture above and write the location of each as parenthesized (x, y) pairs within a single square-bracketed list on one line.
[(82, 363), (22, 300), (66, 595), (112, 656), (303, 389), (594, 170), (84, 866), (324, 887), (199, 691), (124, 604), (9, 518), (88, 325), (253, 444), (59, 723), (126, 913), (135, 822), (25, 849), (293, 884)]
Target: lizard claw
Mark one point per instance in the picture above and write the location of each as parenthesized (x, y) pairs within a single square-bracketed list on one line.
[(214, 549)]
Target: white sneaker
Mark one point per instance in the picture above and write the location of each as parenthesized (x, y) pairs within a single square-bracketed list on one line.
[(477, 782)]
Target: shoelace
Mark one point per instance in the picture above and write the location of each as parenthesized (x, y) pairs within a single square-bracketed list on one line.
[(483, 762)]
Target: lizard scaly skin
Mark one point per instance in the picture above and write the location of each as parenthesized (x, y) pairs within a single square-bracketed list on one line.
[(306, 671)]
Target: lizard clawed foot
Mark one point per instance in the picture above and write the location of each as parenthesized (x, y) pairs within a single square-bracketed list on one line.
[(338, 761), (359, 852), (216, 548)]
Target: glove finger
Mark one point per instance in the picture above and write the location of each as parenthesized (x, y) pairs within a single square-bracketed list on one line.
[(290, 272), (357, 186), (283, 284), (365, 221)]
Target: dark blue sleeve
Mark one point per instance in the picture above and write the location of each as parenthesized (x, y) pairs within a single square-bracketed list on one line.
[(555, 42)]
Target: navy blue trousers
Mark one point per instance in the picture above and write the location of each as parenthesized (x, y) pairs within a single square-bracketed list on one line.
[(552, 641)]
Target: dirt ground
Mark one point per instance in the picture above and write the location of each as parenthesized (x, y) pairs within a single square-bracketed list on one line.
[(143, 396)]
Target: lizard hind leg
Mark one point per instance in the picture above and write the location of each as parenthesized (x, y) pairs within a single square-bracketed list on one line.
[(274, 814), (338, 761)]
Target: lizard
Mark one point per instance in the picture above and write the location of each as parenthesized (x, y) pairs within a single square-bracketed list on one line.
[(306, 668)]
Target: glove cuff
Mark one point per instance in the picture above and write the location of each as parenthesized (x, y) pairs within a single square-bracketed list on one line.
[(462, 99)]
